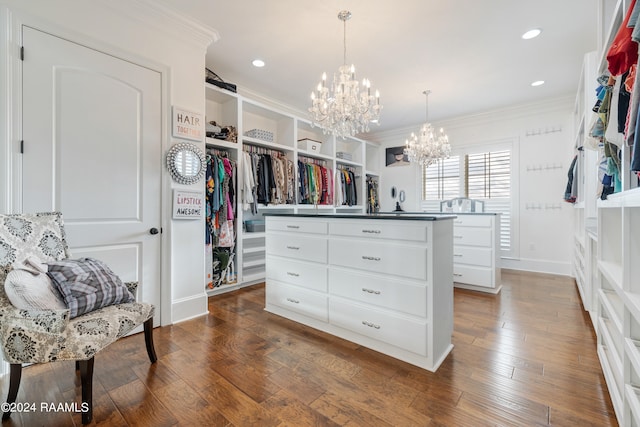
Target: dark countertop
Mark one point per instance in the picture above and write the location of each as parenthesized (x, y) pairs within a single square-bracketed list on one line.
[(419, 216), (456, 213)]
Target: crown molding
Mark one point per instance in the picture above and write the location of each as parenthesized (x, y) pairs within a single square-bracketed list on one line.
[(554, 105), (165, 20)]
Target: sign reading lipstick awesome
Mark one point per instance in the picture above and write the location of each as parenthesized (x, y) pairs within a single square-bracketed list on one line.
[(187, 204)]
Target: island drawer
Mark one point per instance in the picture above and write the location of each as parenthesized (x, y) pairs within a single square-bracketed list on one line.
[(293, 225), (383, 326), (301, 301), (472, 221), (410, 298), (387, 230), (304, 274), (305, 248), (380, 257)]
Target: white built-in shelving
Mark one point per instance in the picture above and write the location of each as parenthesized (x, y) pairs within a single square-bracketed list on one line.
[(289, 135), (607, 239)]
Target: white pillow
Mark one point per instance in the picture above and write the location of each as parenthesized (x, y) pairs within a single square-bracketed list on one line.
[(28, 291)]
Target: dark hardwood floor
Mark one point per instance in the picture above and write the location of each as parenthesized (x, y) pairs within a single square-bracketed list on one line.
[(526, 357)]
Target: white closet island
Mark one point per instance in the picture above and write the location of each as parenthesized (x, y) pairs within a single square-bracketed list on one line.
[(383, 281)]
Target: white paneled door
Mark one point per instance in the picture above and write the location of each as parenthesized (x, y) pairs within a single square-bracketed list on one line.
[(92, 130)]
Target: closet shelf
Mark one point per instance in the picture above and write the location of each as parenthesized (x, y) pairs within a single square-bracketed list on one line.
[(257, 249), (633, 397), (248, 264), (253, 235), (613, 273), (266, 144), (213, 142)]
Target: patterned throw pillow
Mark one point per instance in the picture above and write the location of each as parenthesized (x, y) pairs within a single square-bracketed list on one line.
[(87, 284)]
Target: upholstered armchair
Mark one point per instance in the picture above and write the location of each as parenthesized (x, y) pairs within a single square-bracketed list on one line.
[(48, 335)]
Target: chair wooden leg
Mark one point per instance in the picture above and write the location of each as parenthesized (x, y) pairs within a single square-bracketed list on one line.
[(86, 376), (148, 339), (14, 384)]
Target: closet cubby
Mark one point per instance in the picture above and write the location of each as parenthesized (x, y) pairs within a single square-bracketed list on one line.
[(325, 148), (353, 147), (256, 117), (264, 129), (610, 243), (373, 159)]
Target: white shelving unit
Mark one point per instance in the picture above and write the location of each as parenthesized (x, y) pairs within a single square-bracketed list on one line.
[(289, 135), (607, 241), (619, 301)]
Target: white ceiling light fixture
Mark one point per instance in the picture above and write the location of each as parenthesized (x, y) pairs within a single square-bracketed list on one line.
[(532, 34), (258, 63), (537, 83), (429, 145), (347, 106)]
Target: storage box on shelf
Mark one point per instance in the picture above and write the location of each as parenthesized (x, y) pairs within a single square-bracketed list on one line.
[(311, 140)]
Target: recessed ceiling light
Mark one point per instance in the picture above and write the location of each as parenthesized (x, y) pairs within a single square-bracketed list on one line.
[(258, 63), (537, 83), (532, 33)]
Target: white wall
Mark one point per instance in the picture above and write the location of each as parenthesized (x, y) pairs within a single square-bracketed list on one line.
[(543, 235), (144, 33)]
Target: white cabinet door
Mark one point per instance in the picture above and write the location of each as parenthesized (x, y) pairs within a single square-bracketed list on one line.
[(92, 127)]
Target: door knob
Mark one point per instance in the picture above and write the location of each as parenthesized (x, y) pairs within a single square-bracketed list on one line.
[(154, 231)]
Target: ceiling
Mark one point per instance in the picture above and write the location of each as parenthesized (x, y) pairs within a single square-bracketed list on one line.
[(469, 53)]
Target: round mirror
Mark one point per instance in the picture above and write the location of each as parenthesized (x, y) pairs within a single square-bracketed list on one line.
[(393, 192), (401, 196), (185, 163)]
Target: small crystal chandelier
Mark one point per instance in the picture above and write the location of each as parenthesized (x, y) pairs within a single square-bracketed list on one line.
[(347, 108), (428, 146)]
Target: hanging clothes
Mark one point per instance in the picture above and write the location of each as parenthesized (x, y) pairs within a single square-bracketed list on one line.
[(346, 187), (571, 191), (269, 178), (315, 183), (373, 201), (220, 201)]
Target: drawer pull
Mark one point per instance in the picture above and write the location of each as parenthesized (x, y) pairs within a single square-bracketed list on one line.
[(370, 291), (457, 237), (371, 231), (292, 274), (295, 227), (457, 222), (371, 258), (371, 325), (457, 255), (295, 301), (457, 275), (294, 248)]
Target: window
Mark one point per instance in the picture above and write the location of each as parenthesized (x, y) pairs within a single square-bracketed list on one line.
[(488, 175), (485, 176), (441, 180)]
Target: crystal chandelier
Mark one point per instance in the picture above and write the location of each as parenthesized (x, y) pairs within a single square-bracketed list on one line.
[(428, 146), (347, 107)]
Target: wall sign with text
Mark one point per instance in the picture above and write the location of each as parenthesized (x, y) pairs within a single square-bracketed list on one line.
[(187, 124), (187, 204)]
